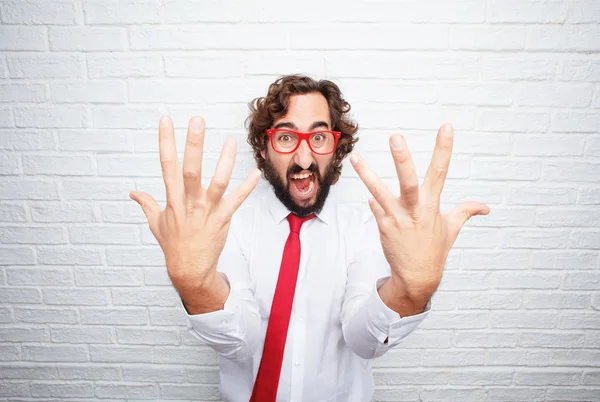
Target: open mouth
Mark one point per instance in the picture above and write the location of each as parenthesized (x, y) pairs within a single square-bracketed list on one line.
[(303, 185)]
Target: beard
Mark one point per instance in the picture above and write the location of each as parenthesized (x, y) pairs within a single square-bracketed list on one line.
[(282, 192)]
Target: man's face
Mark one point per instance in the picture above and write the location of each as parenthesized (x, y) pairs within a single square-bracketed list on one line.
[(301, 179)]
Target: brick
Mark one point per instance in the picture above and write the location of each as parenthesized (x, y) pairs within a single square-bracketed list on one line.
[(46, 315), (22, 276), (577, 358), (9, 164), (520, 319), (581, 70), (506, 217), (486, 259), (10, 353), (96, 91), (530, 11), (136, 165), (491, 94), (477, 238), (502, 394), (97, 234), (97, 189), (509, 120), (23, 334), (6, 117), (555, 300), (147, 336), (12, 213), (576, 122), (125, 391), (219, 65), (26, 140), (517, 67), (58, 165), (572, 394), (205, 392), (454, 393), (17, 256), (582, 281), (5, 315), (81, 335), (524, 280), (459, 320), (22, 38), (585, 239), (184, 355), (202, 375), (207, 37), (441, 358), (116, 212), (62, 353), (551, 340), (70, 255), (20, 295), (541, 195), (406, 66), (61, 12), (583, 12), (167, 316), (154, 374), (489, 300), (590, 378), (63, 212), (108, 277), (487, 37), (122, 12), (555, 95), (120, 354), (480, 376), (453, 281), (14, 389), (568, 38), (87, 38), (50, 117), (565, 259), (577, 320), (396, 394), (120, 118), (504, 357), (568, 218), (34, 65), (141, 256), (62, 390), (548, 145), (503, 169), (529, 238), (592, 146), (484, 339), (157, 277), (145, 297), (95, 372), (96, 140), (333, 36), (23, 93), (77, 297), (27, 372), (122, 65), (114, 316), (550, 376)]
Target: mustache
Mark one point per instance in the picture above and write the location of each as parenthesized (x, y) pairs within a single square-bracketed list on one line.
[(297, 169)]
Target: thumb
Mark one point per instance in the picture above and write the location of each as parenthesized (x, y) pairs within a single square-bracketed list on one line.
[(463, 212), (148, 204)]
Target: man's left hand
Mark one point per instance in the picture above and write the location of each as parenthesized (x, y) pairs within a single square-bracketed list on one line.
[(416, 237)]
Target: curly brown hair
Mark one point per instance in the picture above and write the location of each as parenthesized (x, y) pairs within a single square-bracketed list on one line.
[(265, 110)]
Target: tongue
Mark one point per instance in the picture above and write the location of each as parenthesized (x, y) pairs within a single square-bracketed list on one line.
[(302, 184)]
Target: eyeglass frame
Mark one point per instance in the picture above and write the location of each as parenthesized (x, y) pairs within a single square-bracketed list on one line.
[(303, 136)]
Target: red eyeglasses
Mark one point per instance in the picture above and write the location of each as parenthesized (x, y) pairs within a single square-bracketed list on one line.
[(286, 141)]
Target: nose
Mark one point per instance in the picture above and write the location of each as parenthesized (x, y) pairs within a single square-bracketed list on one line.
[(303, 156)]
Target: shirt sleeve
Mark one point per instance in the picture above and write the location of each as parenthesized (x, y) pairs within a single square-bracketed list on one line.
[(369, 326), (234, 331)]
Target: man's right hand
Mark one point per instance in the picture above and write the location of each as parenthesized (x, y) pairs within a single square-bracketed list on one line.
[(193, 228)]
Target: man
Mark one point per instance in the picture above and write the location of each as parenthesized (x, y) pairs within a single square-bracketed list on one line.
[(296, 304)]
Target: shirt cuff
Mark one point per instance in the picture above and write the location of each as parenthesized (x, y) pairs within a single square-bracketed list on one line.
[(385, 323)]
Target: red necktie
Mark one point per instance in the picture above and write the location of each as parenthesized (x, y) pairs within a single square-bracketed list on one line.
[(267, 379)]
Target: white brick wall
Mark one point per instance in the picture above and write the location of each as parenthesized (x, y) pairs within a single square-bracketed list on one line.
[(87, 311)]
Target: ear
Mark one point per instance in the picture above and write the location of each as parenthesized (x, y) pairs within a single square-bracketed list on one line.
[(263, 154)]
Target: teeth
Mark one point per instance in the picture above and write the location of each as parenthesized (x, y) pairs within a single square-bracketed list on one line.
[(301, 176)]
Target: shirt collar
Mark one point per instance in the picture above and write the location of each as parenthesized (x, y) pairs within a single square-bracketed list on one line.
[(280, 212)]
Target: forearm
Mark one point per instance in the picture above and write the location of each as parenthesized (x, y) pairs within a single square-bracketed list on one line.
[(397, 298), (206, 297)]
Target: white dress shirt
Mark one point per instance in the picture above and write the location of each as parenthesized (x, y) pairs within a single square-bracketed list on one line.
[(338, 321)]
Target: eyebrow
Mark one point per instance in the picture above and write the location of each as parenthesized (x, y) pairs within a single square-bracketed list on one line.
[(290, 125)]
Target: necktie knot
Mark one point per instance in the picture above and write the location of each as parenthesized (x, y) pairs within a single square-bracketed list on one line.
[(297, 221)]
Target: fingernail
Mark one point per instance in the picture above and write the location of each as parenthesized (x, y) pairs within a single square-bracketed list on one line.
[(448, 129), (353, 158), (164, 121), (197, 124), (396, 142), (231, 142)]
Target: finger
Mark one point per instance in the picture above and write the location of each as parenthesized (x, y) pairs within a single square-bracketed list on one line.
[(460, 214), (378, 212), (438, 168), (192, 159), (149, 206), (233, 201), (407, 174), (382, 194), (220, 179), (169, 163)]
